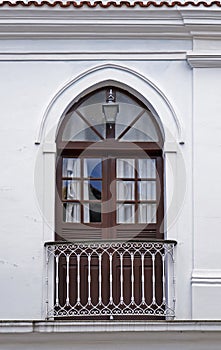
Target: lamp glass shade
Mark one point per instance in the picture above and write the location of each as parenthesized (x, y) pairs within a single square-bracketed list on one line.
[(110, 111)]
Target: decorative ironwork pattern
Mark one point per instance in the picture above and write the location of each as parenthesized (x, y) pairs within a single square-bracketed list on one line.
[(110, 279)]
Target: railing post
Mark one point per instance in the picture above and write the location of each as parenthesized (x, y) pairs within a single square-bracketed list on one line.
[(46, 281), (78, 279), (142, 278), (100, 279), (49, 280), (121, 279)]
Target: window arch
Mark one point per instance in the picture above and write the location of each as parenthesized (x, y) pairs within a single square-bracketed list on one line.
[(109, 170)]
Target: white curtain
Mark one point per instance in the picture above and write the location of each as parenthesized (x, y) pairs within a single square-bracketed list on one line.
[(147, 213), (126, 213), (147, 168), (125, 168), (125, 190), (73, 212), (72, 166), (147, 190)]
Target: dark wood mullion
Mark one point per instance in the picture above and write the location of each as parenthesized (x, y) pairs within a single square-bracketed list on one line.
[(131, 124), (138, 179), (104, 214), (59, 204), (160, 196), (110, 216), (138, 202), (90, 125), (110, 130), (123, 147), (81, 201), (146, 179), (136, 191), (82, 188), (92, 178), (113, 178)]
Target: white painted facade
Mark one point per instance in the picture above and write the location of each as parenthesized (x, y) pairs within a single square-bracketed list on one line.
[(170, 58)]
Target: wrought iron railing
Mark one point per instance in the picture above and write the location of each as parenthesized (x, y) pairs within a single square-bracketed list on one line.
[(110, 279)]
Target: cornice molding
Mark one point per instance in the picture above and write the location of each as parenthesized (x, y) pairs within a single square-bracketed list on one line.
[(206, 276), (92, 56), (204, 60), (127, 21), (94, 23)]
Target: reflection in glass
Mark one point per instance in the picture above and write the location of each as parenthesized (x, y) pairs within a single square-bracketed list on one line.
[(71, 189), (93, 167), (92, 190), (86, 121), (143, 130), (127, 113), (146, 168), (147, 190), (92, 212), (147, 213), (125, 168), (125, 190), (126, 213), (77, 130), (71, 167), (71, 212), (94, 115)]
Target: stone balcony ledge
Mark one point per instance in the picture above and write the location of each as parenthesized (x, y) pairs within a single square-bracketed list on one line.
[(37, 326)]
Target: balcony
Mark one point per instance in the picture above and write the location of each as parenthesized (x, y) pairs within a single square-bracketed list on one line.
[(110, 280)]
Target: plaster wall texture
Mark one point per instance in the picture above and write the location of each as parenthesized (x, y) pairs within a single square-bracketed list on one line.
[(28, 171), (117, 340)]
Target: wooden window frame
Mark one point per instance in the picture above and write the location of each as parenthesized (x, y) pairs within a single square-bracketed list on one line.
[(110, 147)]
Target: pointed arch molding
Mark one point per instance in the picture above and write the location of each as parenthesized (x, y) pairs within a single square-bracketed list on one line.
[(124, 76)]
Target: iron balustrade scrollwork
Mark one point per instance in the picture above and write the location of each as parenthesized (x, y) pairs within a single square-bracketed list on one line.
[(110, 279)]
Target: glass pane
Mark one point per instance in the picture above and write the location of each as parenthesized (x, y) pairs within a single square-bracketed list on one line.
[(77, 130), (147, 213), (147, 190), (147, 168), (126, 213), (92, 212), (71, 189), (72, 212), (123, 97), (127, 113), (94, 115), (125, 190), (93, 167), (143, 130), (90, 113), (97, 97), (125, 168), (71, 167), (92, 190)]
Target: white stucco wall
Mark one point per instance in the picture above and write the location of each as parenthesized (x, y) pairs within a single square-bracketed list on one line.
[(39, 79), (207, 193), (28, 89)]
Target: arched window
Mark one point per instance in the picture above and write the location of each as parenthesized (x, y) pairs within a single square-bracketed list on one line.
[(109, 169), (109, 209)]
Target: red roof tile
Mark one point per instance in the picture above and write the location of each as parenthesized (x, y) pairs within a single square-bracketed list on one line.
[(108, 4)]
